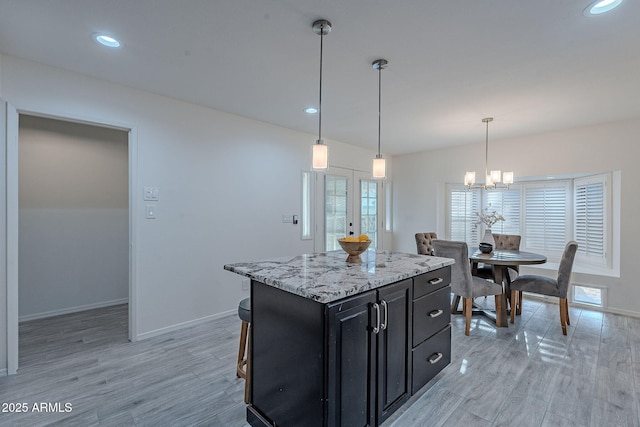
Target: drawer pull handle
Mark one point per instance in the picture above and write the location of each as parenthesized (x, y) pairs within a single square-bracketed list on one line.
[(385, 315), (376, 328), (435, 313), (436, 281), (435, 358)]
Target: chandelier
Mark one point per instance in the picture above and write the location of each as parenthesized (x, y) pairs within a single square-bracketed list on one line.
[(494, 178)]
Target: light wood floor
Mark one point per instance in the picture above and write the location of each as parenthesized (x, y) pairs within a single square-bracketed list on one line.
[(526, 375)]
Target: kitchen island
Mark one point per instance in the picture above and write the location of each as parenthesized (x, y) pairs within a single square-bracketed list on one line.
[(344, 344)]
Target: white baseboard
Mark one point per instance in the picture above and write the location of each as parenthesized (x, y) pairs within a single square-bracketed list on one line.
[(3, 372), (554, 300), (183, 325), (72, 309)]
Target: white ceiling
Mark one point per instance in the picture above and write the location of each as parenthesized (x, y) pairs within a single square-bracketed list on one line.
[(535, 66)]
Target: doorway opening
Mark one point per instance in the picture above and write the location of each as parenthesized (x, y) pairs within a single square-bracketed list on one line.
[(74, 220), (353, 205)]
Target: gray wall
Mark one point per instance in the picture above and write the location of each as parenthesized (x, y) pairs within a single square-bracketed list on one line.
[(73, 235)]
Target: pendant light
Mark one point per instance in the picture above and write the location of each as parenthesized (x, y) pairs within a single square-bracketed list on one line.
[(379, 164), (320, 153), (493, 178)]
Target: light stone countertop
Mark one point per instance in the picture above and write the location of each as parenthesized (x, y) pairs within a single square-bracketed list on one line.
[(327, 277)]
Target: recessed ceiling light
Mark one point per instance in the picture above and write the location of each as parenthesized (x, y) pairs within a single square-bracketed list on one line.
[(106, 40), (601, 6), (311, 110)]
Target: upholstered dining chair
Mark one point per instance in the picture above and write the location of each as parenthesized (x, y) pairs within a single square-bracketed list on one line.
[(424, 242), (548, 286), (463, 284), (503, 241)]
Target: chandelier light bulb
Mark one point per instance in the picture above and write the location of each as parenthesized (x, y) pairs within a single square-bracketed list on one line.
[(469, 178), (507, 178)]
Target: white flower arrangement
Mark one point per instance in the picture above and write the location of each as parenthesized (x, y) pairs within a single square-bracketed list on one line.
[(487, 218)]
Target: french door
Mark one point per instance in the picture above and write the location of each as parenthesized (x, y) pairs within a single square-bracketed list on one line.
[(351, 207)]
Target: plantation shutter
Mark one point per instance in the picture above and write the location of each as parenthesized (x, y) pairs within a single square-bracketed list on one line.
[(463, 204), (507, 203), (547, 217), (590, 205)]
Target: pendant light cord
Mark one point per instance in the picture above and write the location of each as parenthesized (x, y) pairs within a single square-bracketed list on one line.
[(379, 105), (486, 152), (320, 91)]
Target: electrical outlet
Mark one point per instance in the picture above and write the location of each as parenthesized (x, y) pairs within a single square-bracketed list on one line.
[(246, 283), (287, 219)]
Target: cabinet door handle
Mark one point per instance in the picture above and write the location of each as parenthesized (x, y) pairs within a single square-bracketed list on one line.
[(435, 313), (376, 328), (436, 281), (435, 358), (385, 314)]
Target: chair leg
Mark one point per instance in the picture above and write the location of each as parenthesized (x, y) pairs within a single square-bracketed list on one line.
[(501, 310), (515, 302), (240, 369), (519, 306), (563, 315), (454, 304), (467, 307), (247, 384), (507, 289), (566, 310)]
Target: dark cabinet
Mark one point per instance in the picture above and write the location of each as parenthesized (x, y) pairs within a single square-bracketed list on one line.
[(352, 362), (394, 348), (369, 373)]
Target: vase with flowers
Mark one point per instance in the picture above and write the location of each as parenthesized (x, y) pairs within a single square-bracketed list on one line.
[(489, 219)]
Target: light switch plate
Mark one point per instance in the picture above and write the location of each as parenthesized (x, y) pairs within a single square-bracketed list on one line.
[(151, 193)]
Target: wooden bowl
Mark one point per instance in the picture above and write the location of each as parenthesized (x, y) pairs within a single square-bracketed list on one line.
[(354, 249)]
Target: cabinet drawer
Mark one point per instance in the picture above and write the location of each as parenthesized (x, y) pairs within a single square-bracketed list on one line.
[(430, 357), (431, 281), (431, 313)]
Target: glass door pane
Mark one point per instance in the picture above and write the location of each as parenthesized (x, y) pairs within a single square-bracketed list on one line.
[(351, 207), (369, 210), (336, 212)]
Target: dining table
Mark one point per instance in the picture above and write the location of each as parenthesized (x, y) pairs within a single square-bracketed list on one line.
[(501, 260)]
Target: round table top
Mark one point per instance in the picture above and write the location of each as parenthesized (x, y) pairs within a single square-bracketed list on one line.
[(506, 257)]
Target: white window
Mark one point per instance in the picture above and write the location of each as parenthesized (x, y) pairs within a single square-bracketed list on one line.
[(462, 204), (591, 196), (589, 295), (547, 214), (506, 202), (306, 219), (547, 217)]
